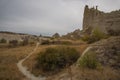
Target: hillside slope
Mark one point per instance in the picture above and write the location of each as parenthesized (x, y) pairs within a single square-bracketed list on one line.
[(108, 55)]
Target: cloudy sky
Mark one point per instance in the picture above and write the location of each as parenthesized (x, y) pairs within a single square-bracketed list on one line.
[(47, 16)]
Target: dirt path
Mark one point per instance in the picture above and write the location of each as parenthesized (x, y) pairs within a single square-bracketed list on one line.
[(28, 74), (87, 49), (24, 70)]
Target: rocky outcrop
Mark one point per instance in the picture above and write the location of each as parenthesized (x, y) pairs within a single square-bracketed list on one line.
[(108, 51), (73, 35), (93, 18)]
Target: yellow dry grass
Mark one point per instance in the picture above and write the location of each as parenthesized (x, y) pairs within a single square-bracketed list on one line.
[(10, 56), (8, 59)]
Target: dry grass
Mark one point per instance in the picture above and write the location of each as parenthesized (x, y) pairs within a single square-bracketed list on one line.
[(8, 59), (31, 61), (106, 73), (10, 56)]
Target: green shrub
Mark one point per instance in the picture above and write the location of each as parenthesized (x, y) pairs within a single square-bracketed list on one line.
[(3, 40), (89, 60), (96, 35), (53, 59)]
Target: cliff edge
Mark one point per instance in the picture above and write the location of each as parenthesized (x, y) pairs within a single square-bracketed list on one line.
[(93, 18)]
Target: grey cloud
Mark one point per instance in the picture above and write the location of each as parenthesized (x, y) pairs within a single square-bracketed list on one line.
[(47, 16)]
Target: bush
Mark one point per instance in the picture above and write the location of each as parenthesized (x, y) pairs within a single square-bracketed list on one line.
[(45, 42), (53, 59), (13, 43), (89, 60), (3, 40), (96, 35)]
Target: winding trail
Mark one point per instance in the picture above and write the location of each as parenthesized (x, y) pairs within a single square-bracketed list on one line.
[(85, 51), (31, 76), (24, 70)]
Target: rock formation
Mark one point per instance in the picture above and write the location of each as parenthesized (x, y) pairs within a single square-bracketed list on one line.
[(93, 18), (108, 51), (76, 34)]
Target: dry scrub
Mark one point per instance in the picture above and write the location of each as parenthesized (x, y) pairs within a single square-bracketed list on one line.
[(31, 61), (8, 59)]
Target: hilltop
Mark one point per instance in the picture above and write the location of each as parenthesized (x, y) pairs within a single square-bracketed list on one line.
[(105, 22)]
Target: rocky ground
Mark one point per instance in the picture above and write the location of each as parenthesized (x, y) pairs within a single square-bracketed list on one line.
[(108, 52)]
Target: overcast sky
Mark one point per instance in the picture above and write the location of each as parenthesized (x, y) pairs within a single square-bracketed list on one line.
[(47, 16)]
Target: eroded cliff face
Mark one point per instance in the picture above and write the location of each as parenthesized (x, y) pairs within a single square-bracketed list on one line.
[(93, 18)]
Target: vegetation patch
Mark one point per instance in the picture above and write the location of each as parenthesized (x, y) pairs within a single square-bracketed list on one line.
[(55, 42), (89, 60), (54, 59), (45, 42), (96, 35)]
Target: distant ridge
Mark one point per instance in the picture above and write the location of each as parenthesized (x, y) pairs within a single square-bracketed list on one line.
[(15, 33), (8, 32)]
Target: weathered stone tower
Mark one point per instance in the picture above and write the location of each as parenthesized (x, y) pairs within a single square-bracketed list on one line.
[(93, 18)]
